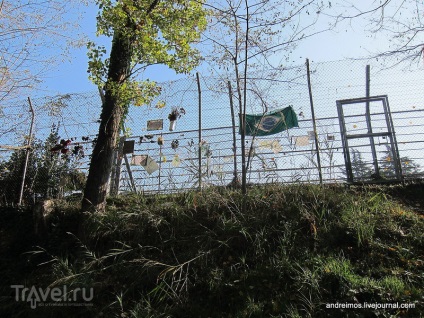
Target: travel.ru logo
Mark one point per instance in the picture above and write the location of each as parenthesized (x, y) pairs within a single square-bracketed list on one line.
[(53, 296)]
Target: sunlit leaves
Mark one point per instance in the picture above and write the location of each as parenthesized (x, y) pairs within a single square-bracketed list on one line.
[(160, 105), (97, 67), (137, 93), (163, 36), (161, 32)]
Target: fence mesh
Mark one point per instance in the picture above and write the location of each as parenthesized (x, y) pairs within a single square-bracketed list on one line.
[(167, 161)]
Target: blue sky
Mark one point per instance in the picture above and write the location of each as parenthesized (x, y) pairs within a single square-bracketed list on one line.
[(72, 77), (347, 41)]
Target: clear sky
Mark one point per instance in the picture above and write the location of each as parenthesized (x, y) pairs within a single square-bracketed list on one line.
[(348, 40), (72, 77)]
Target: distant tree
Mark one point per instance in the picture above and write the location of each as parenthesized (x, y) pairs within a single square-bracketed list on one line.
[(57, 171), (409, 166), (143, 33), (361, 169), (50, 174), (11, 172)]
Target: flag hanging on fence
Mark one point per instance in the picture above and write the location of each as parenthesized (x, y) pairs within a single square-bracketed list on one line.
[(271, 123)]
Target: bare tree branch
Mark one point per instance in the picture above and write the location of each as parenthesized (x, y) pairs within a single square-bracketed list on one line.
[(34, 35)]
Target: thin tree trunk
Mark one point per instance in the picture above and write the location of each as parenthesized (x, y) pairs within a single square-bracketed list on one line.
[(110, 121)]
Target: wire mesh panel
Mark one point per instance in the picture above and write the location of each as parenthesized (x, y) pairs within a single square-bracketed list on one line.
[(64, 128), (204, 147)]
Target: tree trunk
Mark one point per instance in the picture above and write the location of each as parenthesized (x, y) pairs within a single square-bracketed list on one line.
[(110, 120)]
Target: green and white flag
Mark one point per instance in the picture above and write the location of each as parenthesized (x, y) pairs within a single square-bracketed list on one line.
[(271, 123)]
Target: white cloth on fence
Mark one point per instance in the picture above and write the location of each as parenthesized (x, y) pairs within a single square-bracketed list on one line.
[(302, 141), (151, 165), (146, 162), (139, 160), (176, 161)]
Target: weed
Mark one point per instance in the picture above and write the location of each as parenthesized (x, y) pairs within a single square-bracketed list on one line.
[(196, 254)]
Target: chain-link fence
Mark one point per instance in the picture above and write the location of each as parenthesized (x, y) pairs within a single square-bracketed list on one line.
[(161, 160), (48, 172)]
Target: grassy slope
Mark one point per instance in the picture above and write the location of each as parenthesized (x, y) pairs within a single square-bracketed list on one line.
[(295, 249)]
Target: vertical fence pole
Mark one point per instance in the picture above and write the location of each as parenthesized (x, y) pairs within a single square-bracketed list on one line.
[(160, 164), (111, 188), (314, 121), (31, 109), (233, 122), (368, 119), (114, 189), (200, 130), (130, 175)]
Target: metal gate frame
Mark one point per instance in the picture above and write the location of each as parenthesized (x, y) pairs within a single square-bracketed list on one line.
[(390, 133)]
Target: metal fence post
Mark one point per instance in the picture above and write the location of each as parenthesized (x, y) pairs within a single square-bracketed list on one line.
[(116, 171), (31, 109), (314, 121), (233, 122), (368, 119), (200, 130)]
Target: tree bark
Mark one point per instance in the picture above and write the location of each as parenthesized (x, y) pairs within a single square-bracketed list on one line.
[(110, 120)]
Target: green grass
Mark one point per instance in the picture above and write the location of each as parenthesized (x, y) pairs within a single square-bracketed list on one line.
[(294, 250)]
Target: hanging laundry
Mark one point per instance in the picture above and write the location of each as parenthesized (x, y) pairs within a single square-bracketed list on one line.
[(139, 160), (276, 146), (151, 165), (273, 145), (302, 141), (62, 146), (176, 161), (265, 144), (160, 140)]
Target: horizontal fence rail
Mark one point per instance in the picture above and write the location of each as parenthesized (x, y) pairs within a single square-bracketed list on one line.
[(164, 161)]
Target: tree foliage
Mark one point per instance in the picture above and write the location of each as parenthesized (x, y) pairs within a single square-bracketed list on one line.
[(158, 32), (361, 169), (410, 168), (143, 33), (49, 174)]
